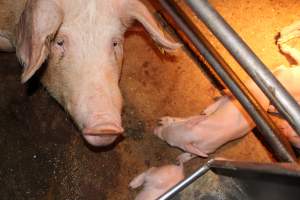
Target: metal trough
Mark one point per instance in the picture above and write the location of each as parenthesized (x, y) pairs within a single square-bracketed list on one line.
[(245, 180)]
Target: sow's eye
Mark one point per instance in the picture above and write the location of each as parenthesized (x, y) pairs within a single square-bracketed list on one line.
[(59, 47), (60, 42), (117, 44)]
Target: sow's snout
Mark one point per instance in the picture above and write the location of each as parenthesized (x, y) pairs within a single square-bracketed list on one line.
[(97, 111), (102, 134)]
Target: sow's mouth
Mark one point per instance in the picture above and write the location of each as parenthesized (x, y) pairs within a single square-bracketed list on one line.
[(102, 134)]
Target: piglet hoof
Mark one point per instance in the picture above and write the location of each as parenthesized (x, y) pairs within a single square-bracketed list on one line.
[(138, 181), (185, 157), (272, 109), (165, 121), (102, 134), (100, 141)]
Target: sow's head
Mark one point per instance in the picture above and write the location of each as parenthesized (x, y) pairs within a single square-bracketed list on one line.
[(82, 42)]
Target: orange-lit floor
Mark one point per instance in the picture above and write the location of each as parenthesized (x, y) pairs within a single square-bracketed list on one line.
[(52, 162)]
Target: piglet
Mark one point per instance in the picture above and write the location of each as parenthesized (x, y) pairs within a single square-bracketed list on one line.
[(157, 181), (226, 120), (221, 122)]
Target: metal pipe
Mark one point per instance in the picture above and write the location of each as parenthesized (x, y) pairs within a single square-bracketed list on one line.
[(279, 145), (186, 182), (236, 86), (271, 87)]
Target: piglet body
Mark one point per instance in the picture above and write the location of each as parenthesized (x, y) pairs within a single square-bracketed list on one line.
[(226, 120), (221, 122), (157, 181)]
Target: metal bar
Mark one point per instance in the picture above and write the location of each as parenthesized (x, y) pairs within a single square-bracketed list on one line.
[(279, 145), (186, 182), (223, 166), (271, 87)]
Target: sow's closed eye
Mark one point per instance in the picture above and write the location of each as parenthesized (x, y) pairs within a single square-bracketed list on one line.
[(59, 47)]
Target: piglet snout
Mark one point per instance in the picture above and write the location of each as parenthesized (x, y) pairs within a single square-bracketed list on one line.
[(102, 134)]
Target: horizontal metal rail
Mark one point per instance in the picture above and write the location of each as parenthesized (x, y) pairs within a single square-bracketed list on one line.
[(271, 87), (280, 146)]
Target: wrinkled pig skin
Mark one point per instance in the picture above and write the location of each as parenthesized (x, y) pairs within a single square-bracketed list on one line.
[(82, 42), (226, 120), (157, 181)]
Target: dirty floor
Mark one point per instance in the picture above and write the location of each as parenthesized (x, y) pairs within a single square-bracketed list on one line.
[(43, 156)]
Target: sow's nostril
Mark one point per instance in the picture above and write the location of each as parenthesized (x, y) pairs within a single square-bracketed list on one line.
[(105, 129), (100, 141), (102, 134)]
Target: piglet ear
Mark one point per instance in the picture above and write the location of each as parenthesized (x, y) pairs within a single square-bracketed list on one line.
[(38, 25), (136, 10)]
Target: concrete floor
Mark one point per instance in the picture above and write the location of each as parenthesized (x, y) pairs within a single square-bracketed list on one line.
[(43, 157)]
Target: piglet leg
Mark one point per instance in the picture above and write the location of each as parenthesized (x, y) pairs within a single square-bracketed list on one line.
[(289, 32), (291, 52), (185, 157), (157, 180), (138, 181)]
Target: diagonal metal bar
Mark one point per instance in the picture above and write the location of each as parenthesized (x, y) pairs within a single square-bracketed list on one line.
[(271, 87), (186, 182), (280, 147)]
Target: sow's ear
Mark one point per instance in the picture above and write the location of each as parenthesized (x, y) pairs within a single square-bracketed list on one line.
[(136, 10), (38, 25)]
